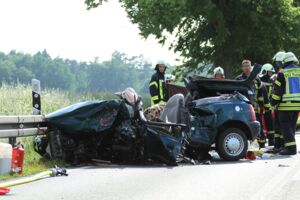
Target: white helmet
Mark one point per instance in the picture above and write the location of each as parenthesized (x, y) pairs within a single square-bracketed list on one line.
[(160, 62), (278, 57), (290, 57), (267, 67), (218, 70)]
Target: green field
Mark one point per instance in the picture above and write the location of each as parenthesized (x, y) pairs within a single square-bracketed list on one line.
[(17, 100)]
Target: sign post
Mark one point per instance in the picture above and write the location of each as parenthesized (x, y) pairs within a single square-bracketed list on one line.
[(36, 97)]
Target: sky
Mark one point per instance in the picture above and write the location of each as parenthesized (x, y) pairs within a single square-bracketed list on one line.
[(67, 30)]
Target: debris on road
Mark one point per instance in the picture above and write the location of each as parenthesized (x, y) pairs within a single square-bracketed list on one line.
[(262, 153), (282, 165), (101, 161), (207, 162), (4, 191)]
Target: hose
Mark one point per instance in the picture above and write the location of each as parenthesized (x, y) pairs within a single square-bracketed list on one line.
[(26, 180), (56, 171)]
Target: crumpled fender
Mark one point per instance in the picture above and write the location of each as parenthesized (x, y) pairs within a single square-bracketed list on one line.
[(161, 146)]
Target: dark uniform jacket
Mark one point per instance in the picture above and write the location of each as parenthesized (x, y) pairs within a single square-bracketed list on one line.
[(157, 87), (261, 96), (268, 83), (241, 77)]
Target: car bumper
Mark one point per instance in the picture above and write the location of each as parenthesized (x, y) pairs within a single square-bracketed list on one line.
[(254, 127)]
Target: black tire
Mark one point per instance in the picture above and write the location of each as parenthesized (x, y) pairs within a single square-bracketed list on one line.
[(232, 144)]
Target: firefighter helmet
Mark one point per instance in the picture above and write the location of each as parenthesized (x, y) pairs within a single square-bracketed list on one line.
[(278, 57), (267, 67), (290, 57), (159, 63), (219, 70)]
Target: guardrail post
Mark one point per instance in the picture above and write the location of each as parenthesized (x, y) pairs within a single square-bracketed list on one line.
[(36, 103), (12, 141)]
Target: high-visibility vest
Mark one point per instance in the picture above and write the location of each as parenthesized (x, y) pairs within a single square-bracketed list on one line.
[(291, 96)]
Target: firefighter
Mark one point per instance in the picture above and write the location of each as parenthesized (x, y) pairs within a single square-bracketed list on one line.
[(261, 106), (157, 84), (266, 74), (278, 137), (286, 98), (219, 73)]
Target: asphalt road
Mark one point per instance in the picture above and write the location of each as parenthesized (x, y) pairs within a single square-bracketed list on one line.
[(260, 179)]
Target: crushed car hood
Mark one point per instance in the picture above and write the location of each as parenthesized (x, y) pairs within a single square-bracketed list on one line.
[(86, 117)]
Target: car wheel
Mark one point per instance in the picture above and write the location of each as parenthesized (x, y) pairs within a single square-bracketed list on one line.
[(232, 144)]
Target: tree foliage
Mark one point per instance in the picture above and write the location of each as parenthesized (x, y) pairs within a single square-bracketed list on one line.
[(220, 31), (113, 75)]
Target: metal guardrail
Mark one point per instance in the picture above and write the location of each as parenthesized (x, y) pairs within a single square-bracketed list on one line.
[(25, 125), (22, 126)]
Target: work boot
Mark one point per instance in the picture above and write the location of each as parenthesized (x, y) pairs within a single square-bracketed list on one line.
[(278, 143), (286, 152), (271, 140), (262, 145), (277, 150), (261, 142)]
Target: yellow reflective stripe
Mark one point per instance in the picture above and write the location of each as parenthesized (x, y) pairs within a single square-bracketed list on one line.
[(267, 105), (161, 89), (289, 106), (260, 98), (287, 85), (154, 98), (275, 97), (277, 135), (162, 103), (293, 72), (269, 91), (288, 144), (271, 132), (153, 83), (277, 83), (291, 97)]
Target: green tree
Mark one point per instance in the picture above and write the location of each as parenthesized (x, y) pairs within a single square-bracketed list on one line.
[(220, 31), (112, 75), (7, 69), (23, 75)]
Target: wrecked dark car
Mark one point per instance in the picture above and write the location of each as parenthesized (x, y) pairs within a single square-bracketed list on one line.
[(117, 131), (113, 131)]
